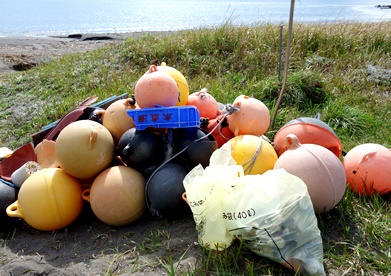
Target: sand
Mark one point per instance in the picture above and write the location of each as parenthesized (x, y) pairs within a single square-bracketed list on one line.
[(22, 53)]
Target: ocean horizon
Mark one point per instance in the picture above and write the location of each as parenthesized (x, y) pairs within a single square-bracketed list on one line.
[(64, 17)]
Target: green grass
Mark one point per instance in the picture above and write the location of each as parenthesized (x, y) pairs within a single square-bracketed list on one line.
[(328, 74)]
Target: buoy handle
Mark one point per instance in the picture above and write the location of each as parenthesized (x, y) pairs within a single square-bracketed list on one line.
[(184, 197), (292, 142), (86, 194), (13, 210), (152, 68), (367, 156)]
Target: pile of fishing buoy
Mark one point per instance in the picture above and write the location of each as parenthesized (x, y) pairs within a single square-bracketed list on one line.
[(123, 170)]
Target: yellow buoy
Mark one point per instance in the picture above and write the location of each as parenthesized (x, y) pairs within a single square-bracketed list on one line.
[(254, 153), (48, 200), (183, 86)]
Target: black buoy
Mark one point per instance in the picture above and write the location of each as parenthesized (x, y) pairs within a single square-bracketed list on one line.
[(197, 145), (8, 195), (164, 191), (200, 151), (92, 113), (141, 149)]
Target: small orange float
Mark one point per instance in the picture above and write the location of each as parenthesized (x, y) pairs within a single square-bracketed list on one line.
[(252, 118), (221, 133), (205, 103), (115, 118)]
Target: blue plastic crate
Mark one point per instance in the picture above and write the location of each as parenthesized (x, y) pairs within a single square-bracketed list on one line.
[(165, 117)]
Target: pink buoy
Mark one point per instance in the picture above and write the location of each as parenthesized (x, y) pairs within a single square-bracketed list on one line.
[(156, 88), (205, 103), (319, 168)]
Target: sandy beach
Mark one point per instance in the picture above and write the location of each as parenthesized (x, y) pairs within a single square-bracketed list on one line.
[(22, 53)]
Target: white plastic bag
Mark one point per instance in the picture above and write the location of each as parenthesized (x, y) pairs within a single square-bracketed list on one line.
[(271, 213), (204, 190)]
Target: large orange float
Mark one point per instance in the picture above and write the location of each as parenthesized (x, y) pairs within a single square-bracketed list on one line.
[(117, 195), (308, 131)]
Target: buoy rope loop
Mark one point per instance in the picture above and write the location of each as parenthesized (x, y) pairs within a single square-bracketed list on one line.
[(253, 158), (230, 109)]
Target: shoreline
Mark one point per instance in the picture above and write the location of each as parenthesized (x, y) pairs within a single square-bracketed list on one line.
[(23, 53)]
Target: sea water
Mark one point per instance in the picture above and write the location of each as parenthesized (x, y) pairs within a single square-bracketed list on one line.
[(63, 17)]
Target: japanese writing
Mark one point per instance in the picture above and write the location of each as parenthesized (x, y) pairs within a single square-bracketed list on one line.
[(196, 203), (154, 117), (239, 215)]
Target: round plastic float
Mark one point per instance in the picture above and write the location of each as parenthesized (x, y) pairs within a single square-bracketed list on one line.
[(319, 168), (164, 192), (181, 81), (48, 200), (252, 117), (116, 119), (308, 131), (84, 148), (156, 88), (254, 153), (205, 103), (117, 195), (368, 169)]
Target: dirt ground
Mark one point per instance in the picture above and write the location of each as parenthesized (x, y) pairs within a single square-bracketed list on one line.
[(90, 247)]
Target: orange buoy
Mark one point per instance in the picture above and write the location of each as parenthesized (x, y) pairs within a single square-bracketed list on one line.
[(48, 200), (308, 131), (368, 169), (205, 103), (252, 117), (221, 133), (156, 88), (319, 168), (117, 195)]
